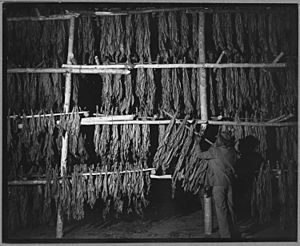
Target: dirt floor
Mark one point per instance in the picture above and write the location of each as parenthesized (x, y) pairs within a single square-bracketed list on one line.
[(165, 219)]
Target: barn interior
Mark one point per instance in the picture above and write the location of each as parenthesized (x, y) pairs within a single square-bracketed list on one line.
[(102, 103)]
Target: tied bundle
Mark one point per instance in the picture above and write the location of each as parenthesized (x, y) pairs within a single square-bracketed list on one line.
[(262, 196), (36, 45), (176, 155), (121, 191), (120, 144)]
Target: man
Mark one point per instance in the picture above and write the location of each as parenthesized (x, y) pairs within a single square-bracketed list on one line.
[(247, 168), (221, 160)]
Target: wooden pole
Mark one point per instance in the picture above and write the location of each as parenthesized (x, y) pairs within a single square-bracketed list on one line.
[(67, 94), (207, 214), (98, 121), (201, 64), (88, 70), (278, 57), (219, 59), (43, 181), (64, 149), (204, 114), (43, 18), (124, 69), (85, 113), (202, 72), (185, 9)]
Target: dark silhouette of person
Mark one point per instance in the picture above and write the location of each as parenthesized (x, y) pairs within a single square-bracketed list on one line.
[(221, 158), (247, 168)]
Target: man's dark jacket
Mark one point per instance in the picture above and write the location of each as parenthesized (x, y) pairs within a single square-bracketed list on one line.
[(221, 161)]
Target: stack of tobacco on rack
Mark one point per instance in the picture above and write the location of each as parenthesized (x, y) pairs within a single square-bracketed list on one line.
[(262, 195), (34, 142), (120, 190), (176, 155), (122, 144), (35, 44)]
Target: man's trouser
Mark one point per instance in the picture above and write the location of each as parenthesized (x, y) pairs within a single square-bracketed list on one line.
[(224, 208)]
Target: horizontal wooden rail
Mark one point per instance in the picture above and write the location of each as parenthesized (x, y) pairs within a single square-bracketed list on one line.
[(69, 70), (96, 121), (43, 181), (140, 11), (43, 18), (179, 65), (90, 121), (185, 9), (167, 176), (124, 69), (46, 115)]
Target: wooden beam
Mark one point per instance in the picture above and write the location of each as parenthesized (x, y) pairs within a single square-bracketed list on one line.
[(113, 66), (202, 72), (219, 59), (69, 70), (186, 9), (68, 90), (43, 18), (89, 121), (140, 11), (267, 124), (278, 57), (201, 64), (203, 109), (97, 121), (167, 176), (45, 115), (43, 181), (124, 69), (65, 137)]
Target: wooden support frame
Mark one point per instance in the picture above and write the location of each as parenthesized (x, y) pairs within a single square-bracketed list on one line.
[(125, 69), (64, 149), (90, 121), (45, 115), (130, 12), (43, 18), (43, 181), (201, 64), (88, 70), (185, 9), (203, 108)]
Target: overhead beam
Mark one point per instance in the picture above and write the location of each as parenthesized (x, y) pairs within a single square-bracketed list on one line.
[(99, 121), (68, 70), (43, 18)]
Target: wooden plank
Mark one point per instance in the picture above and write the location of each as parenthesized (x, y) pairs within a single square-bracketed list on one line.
[(65, 137), (124, 69), (202, 72), (43, 18), (89, 121), (43, 181), (44, 115), (69, 70), (186, 9), (167, 176), (201, 64), (203, 109), (96, 121)]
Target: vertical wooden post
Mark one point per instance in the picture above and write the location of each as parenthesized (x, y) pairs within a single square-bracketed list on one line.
[(64, 149), (204, 114), (207, 214), (202, 72)]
